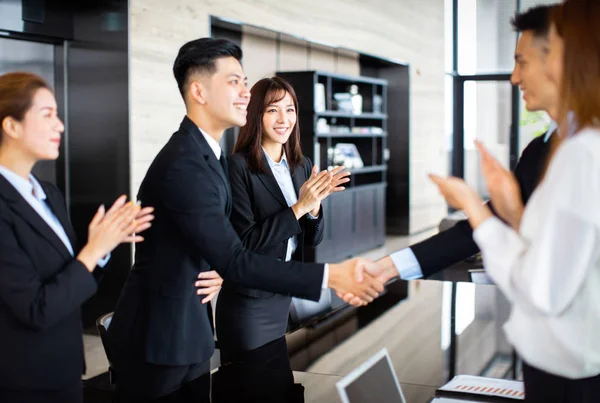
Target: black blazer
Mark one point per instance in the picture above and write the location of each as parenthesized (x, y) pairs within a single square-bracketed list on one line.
[(41, 290), (261, 217), (159, 318), (456, 244), (248, 318)]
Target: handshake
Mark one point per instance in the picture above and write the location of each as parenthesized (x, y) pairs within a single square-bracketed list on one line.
[(359, 281)]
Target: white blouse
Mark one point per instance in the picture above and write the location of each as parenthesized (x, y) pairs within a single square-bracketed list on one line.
[(550, 270)]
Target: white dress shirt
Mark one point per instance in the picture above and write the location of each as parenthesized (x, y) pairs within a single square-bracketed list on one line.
[(550, 270), (34, 194), (283, 177)]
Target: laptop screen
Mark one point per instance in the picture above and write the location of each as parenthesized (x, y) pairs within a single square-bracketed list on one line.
[(374, 381)]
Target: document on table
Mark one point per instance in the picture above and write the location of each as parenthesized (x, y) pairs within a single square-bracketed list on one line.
[(477, 385)]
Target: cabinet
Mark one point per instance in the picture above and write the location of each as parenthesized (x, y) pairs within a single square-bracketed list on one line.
[(354, 218)]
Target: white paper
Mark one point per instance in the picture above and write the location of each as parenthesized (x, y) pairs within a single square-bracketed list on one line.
[(486, 386), (446, 400)]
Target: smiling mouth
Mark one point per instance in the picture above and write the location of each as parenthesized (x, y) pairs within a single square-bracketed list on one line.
[(281, 130), (241, 107)]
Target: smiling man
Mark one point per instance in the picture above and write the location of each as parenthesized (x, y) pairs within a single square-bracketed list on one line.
[(160, 338), (540, 94)]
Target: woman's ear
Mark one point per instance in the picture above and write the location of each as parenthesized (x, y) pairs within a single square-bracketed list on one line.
[(10, 127)]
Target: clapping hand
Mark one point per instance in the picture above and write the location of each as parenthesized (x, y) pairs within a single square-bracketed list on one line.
[(122, 223), (503, 188)]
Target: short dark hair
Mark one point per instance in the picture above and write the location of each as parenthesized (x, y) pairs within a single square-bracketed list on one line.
[(536, 19), (198, 56)]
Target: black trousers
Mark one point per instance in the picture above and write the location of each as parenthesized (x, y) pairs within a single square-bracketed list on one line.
[(261, 375), (72, 394), (542, 387), (140, 381)]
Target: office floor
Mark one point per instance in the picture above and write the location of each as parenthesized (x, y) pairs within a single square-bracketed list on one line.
[(94, 352)]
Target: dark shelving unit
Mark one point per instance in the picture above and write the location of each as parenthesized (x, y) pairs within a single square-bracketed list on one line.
[(355, 218)]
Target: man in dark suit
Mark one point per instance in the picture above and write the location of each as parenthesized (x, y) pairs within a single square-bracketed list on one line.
[(160, 337), (540, 94)]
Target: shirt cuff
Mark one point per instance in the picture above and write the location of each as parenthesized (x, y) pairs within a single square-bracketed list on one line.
[(311, 217), (407, 264), (325, 276), (104, 261), (489, 236), (487, 232)]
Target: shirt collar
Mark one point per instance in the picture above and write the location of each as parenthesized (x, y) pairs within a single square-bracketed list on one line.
[(212, 143), (24, 187), (553, 126), (273, 163), (571, 125)]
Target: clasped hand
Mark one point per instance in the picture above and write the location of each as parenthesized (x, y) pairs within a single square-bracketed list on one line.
[(317, 188)]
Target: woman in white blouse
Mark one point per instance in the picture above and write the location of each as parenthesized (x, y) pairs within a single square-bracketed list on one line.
[(546, 257)]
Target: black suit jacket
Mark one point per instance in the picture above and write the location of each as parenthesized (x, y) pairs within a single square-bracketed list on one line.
[(41, 290), (246, 317), (159, 318), (456, 244), (261, 217)]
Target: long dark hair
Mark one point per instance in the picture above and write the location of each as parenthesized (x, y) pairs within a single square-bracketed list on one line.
[(249, 142), (577, 24)]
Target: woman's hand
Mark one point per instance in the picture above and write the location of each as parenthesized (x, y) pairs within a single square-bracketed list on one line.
[(209, 284), (339, 177), (108, 229), (503, 188), (315, 189), (460, 196)]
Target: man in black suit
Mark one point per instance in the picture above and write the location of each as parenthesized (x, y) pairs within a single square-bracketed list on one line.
[(540, 94), (160, 337)]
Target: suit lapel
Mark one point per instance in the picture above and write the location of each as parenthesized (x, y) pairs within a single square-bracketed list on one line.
[(190, 127), (269, 181), (298, 178), (59, 209), (23, 209)]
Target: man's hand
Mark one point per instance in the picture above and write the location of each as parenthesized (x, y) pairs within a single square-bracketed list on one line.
[(209, 284), (352, 276), (383, 270), (503, 188)]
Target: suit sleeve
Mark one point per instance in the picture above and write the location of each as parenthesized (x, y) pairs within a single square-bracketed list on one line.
[(262, 234), (191, 197), (313, 228), (35, 302), (456, 244)]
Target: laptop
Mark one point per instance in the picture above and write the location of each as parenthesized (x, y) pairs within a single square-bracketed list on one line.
[(373, 381)]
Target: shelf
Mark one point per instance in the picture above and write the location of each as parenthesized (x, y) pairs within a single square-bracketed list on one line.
[(338, 114), (368, 169), (338, 76), (349, 135)]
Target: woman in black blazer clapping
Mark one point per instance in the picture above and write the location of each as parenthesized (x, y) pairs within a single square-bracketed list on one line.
[(44, 279), (276, 210)]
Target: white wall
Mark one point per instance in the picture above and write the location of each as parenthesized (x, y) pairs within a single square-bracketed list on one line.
[(406, 30)]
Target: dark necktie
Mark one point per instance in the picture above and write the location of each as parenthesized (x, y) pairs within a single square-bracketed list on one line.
[(223, 162)]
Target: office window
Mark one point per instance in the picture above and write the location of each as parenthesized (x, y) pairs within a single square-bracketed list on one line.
[(486, 39)]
